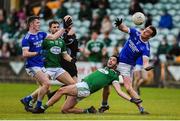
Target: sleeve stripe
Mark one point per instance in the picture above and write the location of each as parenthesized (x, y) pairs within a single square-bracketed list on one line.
[(115, 81), (129, 30), (64, 52), (25, 47), (27, 36), (145, 56)]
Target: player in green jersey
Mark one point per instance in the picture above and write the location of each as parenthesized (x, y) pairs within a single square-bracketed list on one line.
[(95, 51), (52, 57), (90, 84)]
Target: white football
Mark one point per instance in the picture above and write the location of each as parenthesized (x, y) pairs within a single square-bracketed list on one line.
[(138, 18)]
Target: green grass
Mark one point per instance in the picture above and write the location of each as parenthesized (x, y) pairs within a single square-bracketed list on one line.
[(163, 104)]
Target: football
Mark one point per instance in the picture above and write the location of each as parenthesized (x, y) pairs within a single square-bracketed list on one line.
[(138, 18)]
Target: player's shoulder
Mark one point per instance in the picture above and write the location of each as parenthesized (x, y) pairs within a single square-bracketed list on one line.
[(115, 74), (134, 30), (27, 36), (41, 32)]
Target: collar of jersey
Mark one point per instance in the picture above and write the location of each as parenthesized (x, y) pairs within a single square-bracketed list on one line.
[(142, 40), (32, 33)]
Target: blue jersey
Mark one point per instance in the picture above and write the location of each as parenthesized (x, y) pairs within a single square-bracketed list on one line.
[(33, 42), (134, 48), (139, 61)]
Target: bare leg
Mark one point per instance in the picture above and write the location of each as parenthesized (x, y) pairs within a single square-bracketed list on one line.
[(68, 90), (44, 81), (69, 106), (162, 78), (105, 96), (35, 93), (66, 79), (130, 90), (138, 80), (38, 94), (106, 92)]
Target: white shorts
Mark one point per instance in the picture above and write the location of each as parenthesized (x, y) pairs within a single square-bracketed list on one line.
[(162, 58), (83, 89), (31, 71), (125, 69), (54, 72), (138, 67)]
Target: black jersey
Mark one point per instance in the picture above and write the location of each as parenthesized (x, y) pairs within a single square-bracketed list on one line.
[(72, 49), (71, 44)]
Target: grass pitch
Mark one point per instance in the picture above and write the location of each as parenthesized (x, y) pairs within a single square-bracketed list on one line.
[(163, 104)]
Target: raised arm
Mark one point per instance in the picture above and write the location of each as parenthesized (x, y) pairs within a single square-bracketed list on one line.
[(118, 23), (56, 35), (66, 25)]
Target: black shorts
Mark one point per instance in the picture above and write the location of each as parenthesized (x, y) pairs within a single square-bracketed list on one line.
[(69, 67)]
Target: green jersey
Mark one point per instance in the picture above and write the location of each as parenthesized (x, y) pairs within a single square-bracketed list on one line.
[(101, 78), (54, 49), (95, 47)]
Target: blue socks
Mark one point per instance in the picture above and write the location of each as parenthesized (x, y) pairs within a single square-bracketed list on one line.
[(28, 98), (38, 104)]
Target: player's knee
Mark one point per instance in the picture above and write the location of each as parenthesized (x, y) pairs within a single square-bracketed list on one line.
[(47, 85), (128, 87), (60, 91), (64, 110)]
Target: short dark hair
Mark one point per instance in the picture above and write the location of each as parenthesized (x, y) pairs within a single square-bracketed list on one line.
[(116, 58), (53, 22), (31, 19), (154, 30)]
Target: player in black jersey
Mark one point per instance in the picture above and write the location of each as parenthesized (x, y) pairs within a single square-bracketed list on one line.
[(72, 48)]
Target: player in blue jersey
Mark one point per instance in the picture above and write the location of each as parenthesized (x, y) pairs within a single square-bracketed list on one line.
[(136, 46), (32, 51)]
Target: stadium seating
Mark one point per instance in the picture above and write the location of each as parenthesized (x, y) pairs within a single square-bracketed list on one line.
[(119, 8)]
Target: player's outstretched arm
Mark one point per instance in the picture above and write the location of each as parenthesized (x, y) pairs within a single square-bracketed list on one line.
[(117, 87), (66, 24), (55, 35), (119, 23), (146, 64)]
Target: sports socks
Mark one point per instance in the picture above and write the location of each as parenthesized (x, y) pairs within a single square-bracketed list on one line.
[(38, 104), (28, 98), (104, 104), (141, 109)]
